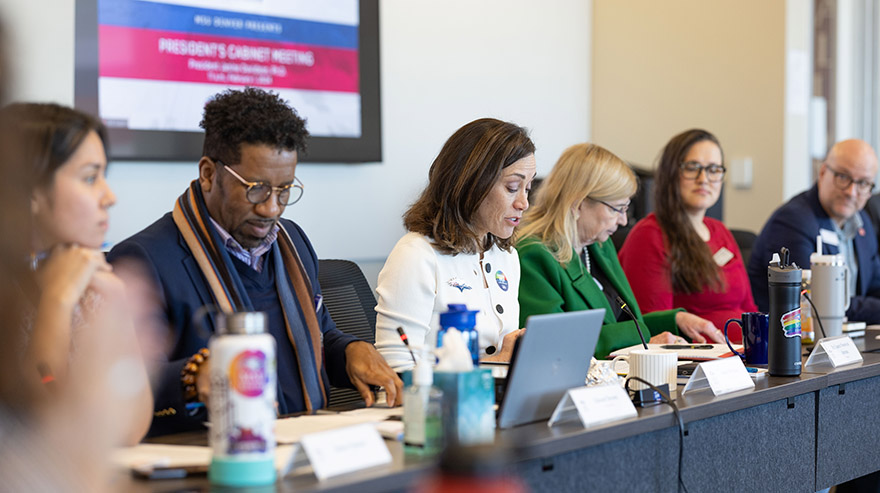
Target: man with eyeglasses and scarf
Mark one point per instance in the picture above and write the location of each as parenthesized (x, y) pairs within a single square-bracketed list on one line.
[(832, 209), (226, 244)]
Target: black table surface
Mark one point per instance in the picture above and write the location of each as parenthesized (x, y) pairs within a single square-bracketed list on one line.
[(537, 440)]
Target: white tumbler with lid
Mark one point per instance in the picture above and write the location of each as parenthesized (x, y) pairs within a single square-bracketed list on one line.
[(829, 290)]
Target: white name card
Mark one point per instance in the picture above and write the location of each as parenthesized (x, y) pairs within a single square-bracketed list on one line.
[(594, 405), (723, 376), (837, 351), (345, 450)]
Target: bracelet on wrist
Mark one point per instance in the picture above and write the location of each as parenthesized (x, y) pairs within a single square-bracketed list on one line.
[(189, 375)]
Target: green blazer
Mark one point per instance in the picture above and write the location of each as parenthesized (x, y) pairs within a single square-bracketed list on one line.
[(546, 286)]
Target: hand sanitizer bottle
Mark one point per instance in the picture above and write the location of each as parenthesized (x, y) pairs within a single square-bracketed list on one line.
[(423, 411)]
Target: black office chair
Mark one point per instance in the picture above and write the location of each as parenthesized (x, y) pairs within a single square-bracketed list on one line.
[(745, 240), (350, 301)]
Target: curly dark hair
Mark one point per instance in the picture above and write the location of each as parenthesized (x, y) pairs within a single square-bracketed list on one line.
[(250, 116)]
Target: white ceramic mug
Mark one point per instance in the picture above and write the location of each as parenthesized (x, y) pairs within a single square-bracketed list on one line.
[(657, 366)]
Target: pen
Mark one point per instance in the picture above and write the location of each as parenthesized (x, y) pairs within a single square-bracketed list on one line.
[(190, 406), (405, 340), (687, 346)]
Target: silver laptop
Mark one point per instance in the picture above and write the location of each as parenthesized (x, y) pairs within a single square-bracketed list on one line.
[(551, 357)]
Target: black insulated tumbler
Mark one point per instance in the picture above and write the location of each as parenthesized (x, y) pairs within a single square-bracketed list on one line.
[(784, 341)]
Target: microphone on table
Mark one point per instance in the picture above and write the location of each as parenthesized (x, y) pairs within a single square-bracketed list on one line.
[(629, 312)]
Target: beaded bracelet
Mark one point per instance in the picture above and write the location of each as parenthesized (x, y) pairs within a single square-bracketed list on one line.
[(189, 372)]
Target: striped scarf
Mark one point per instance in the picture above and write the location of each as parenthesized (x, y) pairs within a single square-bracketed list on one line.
[(191, 217)]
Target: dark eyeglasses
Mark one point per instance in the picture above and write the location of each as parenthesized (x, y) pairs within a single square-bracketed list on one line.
[(843, 181), (259, 192), (620, 210), (691, 170)]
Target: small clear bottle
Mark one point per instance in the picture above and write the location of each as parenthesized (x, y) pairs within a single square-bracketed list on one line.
[(423, 411)]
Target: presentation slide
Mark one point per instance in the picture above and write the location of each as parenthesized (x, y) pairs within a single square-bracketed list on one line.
[(159, 61)]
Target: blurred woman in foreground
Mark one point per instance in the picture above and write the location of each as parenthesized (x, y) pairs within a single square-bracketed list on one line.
[(76, 332)]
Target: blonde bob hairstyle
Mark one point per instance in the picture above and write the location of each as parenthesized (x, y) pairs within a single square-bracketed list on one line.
[(583, 170)]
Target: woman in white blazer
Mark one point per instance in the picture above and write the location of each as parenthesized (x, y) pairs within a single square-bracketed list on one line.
[(459, 248)]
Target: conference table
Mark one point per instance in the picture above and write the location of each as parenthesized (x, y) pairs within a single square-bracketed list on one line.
[(801, 433)]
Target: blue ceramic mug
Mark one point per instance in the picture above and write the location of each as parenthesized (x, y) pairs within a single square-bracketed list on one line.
[(755, 333)]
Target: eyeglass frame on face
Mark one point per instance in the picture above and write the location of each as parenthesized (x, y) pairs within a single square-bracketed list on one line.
[(682, 168), (251, 185), (619, 210), (849, 180)]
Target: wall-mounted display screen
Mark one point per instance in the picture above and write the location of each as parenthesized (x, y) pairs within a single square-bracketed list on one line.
[(147, 67)]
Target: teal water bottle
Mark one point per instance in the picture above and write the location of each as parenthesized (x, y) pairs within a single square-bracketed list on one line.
[(465, 321)]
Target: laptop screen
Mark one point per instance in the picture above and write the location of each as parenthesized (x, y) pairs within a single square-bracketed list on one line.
[(552, 356)]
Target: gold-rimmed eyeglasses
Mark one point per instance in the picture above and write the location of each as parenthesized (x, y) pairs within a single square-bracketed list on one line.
[(259, 192)]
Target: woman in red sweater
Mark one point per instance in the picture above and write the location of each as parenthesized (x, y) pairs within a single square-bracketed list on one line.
[(678, 257)]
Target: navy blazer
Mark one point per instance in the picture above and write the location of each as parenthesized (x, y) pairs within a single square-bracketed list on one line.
[(795, 226), (183, 291)]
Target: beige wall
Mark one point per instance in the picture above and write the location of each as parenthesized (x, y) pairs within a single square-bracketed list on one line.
[(662, 67)]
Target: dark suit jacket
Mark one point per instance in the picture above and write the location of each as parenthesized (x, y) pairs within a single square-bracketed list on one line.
[(795, 226), (872, 208), (183, 290)]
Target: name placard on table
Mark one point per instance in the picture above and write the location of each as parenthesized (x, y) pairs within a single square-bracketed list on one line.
[(836, 351), (722, 376), (345, 450), (594, 405)]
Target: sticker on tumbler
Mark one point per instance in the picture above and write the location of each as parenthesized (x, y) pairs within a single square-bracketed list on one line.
[(247, 373), (791, 323), (501, 279)]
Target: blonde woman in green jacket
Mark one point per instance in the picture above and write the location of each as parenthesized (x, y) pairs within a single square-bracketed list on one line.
[(568, 264)]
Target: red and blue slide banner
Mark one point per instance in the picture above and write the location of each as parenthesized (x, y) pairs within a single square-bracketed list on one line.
[(182, 49)]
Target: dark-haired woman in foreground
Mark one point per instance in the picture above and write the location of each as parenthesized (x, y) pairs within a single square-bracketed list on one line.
[(74, 295), (459, 246), (678, 257)]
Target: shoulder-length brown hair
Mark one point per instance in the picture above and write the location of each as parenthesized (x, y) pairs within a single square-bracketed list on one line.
[(468, 166), (691, 265)]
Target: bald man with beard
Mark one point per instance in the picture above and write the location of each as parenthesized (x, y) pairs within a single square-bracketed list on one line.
[(832, 208)]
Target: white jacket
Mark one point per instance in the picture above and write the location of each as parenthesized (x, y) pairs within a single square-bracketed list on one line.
[(418, 282)]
